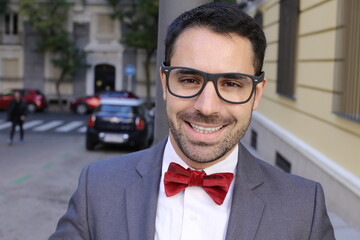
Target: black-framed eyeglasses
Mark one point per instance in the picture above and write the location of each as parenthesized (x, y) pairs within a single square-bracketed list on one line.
[(236, 88)]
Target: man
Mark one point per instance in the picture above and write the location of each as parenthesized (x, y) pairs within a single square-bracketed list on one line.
[(16, 114), (200, 183)]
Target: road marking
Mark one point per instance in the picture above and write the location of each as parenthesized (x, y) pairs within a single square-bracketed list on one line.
[(42, 126), (48, 165), (81, 147), (32, 123), (82, 130), (48, 126), (69, 126), (21, 180), (5, 125), (66, 155)]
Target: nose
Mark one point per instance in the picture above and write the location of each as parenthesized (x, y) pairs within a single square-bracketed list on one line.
[(208, 102)]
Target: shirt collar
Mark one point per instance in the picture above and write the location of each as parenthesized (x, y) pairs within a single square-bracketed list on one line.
[(226, 165)]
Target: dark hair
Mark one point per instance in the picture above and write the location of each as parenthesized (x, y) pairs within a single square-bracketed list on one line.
[(220, 17)]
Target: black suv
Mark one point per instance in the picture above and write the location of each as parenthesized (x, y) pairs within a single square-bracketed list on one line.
[(120, 121)]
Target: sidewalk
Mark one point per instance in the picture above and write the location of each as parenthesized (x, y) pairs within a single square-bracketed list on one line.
[(343, 231)]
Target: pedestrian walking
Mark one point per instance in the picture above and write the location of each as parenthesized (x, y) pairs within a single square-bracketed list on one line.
[(16, 115)]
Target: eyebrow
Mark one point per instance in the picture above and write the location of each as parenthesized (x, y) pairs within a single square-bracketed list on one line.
[(188, 71), (234, 76)]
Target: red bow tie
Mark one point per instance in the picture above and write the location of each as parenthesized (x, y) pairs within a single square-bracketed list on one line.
[(177, 178)]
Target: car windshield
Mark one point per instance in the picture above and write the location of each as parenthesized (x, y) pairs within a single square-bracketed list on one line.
[(39, 93), (116, 108)]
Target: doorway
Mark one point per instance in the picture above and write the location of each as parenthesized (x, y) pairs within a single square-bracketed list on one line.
[(104, 78)]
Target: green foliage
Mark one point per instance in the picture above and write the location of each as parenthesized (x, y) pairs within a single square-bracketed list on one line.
[(48, 19), (4, 6), (140, 19)]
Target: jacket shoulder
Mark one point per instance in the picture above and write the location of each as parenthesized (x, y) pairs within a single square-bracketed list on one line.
[(275, 174), (126, 168), (294, 202)]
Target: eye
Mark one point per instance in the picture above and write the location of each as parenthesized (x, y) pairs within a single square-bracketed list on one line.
[(231, 83), (189, 80)]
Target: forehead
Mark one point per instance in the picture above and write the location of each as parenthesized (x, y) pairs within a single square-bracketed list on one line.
[(203, 49)]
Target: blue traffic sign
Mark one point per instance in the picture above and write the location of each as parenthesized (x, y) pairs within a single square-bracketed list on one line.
[(130, 70)]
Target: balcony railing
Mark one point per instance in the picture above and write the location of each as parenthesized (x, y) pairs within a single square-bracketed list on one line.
[(10, 39)]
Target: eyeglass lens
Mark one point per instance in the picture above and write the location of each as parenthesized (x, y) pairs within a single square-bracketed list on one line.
[(232, 87)]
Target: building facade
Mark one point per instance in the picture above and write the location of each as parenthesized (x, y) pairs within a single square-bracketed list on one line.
[(308, 122), (93, 30)]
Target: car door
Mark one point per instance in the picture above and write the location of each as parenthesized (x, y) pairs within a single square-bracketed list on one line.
[(5, 99)]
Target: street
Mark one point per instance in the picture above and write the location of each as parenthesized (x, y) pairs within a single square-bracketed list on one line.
[(38, 177)]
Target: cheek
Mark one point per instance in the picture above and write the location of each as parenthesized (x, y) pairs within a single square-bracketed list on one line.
[(171, 106), (175, 105), (242, 113)]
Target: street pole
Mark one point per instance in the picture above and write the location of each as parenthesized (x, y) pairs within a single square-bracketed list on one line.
[(129, 83), (168, 11)]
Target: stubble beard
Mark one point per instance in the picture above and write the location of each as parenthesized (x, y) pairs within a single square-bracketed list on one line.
[(202, 152)]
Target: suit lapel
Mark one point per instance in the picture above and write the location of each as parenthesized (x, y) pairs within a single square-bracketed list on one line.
[(247, 207), (142, 196)]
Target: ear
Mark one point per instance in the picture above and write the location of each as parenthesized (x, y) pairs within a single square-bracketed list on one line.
[(163, 83), (258, 93)]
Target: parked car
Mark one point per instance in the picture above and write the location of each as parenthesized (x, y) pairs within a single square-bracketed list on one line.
[(120, 121), (87, 104), (35, 99)]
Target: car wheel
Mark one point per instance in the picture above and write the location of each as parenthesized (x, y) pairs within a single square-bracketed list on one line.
[(81, 108), (90, 145), (31, 107)]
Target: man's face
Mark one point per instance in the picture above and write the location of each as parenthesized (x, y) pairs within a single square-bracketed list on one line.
[(205, 129), (17, 96)]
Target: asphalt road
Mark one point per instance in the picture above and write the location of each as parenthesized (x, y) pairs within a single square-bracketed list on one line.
[(37, 178)]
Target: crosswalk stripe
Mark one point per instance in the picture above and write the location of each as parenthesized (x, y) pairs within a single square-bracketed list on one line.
[(82, 129), (32, 123), (48, 126), (41, 125), (5, 125), (69, 126)]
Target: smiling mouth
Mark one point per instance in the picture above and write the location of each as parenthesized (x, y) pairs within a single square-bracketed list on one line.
[(201, 129)]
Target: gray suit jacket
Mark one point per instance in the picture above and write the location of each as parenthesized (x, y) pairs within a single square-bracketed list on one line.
[(117, 199)]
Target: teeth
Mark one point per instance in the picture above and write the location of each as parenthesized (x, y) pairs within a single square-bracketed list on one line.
[(201, 129)]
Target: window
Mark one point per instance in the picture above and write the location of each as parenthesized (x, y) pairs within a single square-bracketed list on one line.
[(7, 24), (105, 24), (347, 80), (10, 68), (15, 24), (253, 139), (282, 163), (289, 15), (259, 18), (11, 24), (9, 29)]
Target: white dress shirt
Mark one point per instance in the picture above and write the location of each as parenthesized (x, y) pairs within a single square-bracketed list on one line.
[(193, 214)]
